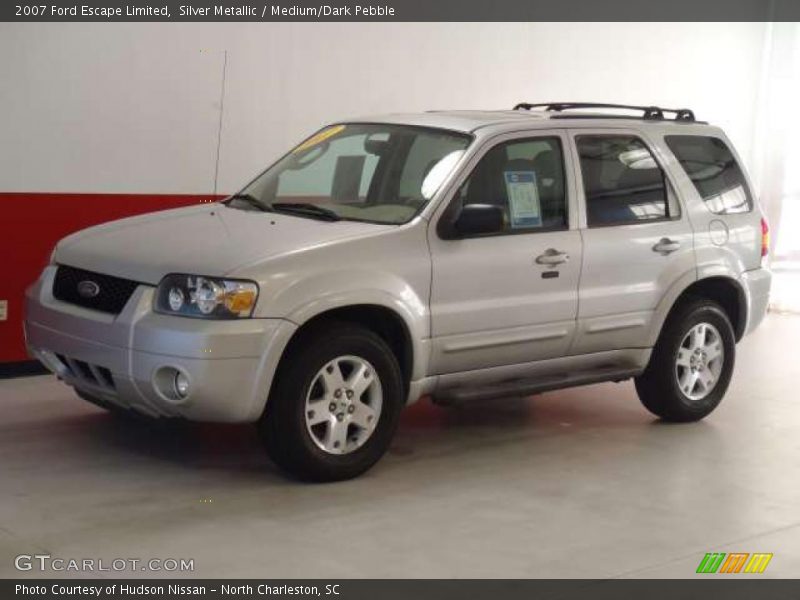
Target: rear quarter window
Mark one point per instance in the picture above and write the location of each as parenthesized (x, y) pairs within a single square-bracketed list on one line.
[(716, 175)]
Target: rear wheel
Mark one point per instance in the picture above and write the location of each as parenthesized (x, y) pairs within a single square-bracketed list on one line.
[(335, 404), (691, 365)]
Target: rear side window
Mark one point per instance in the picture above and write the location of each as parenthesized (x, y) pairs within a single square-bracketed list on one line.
[(622, 181), (714, 172)]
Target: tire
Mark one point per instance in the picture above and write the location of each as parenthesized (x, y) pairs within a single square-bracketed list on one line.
[(302, 394), (677, 392)]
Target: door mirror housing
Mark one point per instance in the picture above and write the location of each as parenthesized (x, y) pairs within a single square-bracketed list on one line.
[(479, 219)]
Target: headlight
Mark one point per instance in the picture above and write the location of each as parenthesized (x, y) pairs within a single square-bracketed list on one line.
[(206, 297)]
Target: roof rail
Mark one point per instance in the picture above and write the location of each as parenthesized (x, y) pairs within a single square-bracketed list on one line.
[(655, 113)]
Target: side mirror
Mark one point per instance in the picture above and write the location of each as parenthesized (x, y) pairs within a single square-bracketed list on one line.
[(477, 219)]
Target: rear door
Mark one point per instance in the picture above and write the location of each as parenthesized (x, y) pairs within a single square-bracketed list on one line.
[(638, 242)]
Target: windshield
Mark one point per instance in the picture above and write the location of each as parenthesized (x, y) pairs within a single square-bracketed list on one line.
[(366, 172)]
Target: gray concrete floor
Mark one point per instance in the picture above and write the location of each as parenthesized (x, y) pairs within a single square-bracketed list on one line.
[(576, 483)]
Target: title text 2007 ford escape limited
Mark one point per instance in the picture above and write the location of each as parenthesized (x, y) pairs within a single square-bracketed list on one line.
[(464, 255)]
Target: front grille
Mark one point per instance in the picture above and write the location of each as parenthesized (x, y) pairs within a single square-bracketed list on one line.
[(112, 292)]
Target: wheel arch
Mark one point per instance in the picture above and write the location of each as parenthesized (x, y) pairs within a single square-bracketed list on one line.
[(725, 291), (385, 321)]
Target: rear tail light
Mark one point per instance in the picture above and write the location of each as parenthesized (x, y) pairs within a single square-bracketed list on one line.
[(764, 238)]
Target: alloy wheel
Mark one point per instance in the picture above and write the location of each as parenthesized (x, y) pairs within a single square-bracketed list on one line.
[(699, 361), (343, 404)]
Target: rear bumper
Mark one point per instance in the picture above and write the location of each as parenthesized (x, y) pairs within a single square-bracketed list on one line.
[(757, 284), (128, 359)]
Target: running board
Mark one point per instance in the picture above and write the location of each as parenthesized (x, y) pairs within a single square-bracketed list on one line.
[(526, 387)]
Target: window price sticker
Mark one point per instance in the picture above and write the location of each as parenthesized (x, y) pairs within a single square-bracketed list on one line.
[(523, 199)]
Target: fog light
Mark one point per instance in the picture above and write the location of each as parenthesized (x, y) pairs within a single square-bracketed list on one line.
[(181, 385)]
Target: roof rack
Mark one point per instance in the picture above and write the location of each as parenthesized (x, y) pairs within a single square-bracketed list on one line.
[(654, 113)]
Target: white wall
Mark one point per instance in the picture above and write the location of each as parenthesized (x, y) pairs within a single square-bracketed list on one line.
[(135, 107), (91, 108), (776, 150)]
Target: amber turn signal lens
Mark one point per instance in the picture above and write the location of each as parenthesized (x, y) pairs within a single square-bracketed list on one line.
[(240, 301)]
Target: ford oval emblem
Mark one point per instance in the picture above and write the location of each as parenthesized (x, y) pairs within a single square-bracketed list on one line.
[(88, 289)]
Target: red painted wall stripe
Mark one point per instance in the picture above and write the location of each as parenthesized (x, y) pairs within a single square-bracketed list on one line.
[(31, 225)]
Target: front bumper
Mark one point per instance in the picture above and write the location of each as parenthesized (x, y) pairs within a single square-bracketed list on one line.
[(126, 359)]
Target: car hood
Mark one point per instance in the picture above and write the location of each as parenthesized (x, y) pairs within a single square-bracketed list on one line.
[(211, 239)]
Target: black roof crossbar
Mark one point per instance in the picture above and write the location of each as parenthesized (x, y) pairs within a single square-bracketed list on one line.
[(653, 113)]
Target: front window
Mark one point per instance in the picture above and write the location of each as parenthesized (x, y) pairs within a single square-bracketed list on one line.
[(364, 172), (525, 178)]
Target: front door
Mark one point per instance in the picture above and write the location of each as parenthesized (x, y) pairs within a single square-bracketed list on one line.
[(509, 297)]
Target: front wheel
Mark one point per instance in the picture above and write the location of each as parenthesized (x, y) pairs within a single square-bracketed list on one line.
[(335, 404), (691, 365)]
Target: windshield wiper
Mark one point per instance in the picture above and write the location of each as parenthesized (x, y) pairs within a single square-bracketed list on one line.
[(249, 199), (306, 209)]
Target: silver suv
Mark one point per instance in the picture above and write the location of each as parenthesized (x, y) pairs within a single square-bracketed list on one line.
[(461, 255)]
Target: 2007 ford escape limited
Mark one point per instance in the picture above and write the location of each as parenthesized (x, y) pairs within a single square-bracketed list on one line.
[(465, 255)]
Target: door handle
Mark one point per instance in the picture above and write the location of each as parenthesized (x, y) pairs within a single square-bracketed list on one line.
[(552, 257), (666, 246)]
